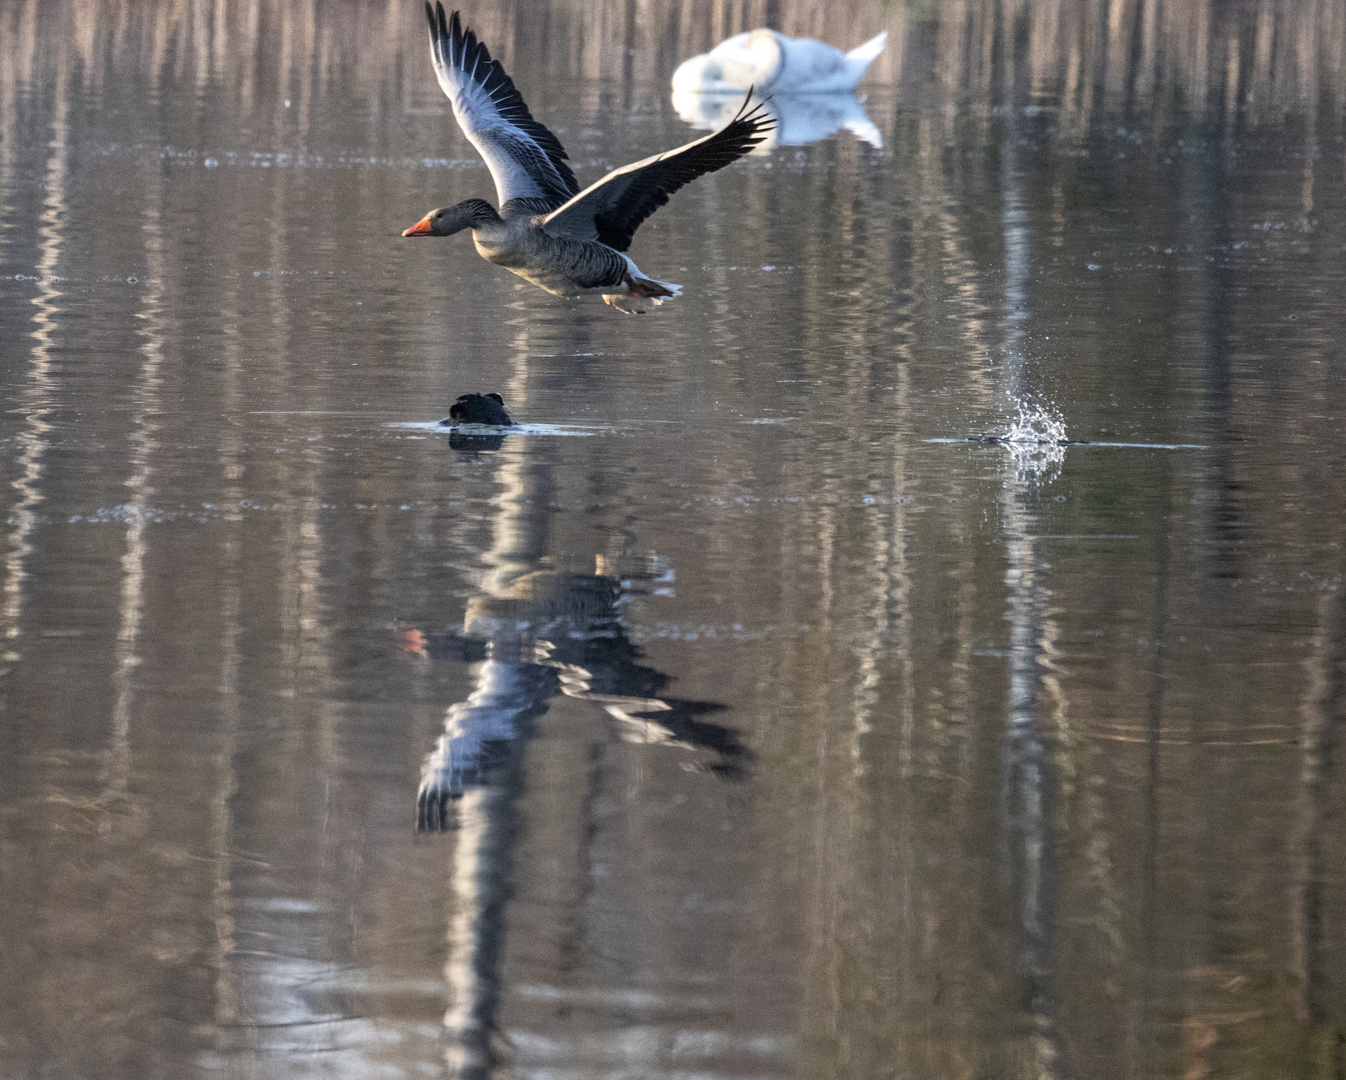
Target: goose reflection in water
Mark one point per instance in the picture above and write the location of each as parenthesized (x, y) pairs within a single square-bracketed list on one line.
[(559, 634), (799, 119), (534, 635)]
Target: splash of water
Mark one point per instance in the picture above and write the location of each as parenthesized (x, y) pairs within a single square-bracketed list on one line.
[(1036, 426), (1038, 442)]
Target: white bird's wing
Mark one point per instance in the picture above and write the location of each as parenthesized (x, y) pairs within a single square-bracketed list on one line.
[(526, 160), (611, 210)]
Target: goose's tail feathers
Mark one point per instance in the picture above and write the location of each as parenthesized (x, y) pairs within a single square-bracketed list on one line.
[(643, 286), (642, 294)]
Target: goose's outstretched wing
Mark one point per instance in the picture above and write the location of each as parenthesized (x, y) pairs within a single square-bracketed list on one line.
[(526, 160), (611, 210)]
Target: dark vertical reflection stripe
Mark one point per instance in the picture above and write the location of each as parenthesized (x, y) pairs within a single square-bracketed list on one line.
[(1324, 713), (1151, 916)]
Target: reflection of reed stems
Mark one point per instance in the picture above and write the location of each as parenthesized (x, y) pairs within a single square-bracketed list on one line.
[(1322, 710), (36, 395), (1079, 54)]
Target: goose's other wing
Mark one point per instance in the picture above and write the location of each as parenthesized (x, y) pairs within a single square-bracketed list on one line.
[(526, 160), (611, 210)]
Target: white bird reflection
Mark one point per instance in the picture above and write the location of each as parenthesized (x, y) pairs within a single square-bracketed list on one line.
[(800, 119)]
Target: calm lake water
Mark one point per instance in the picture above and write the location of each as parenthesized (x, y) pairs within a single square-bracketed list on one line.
[(772, 726)]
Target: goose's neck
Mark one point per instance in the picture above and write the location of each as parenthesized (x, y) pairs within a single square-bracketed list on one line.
[(476, 214)]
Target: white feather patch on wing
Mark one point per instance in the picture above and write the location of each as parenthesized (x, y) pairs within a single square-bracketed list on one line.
[(525, 159)]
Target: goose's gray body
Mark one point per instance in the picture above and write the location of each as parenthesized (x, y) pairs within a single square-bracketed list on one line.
[(562, 265)]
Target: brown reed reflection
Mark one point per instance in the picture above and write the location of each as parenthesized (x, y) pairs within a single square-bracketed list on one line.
[(1249, 63)]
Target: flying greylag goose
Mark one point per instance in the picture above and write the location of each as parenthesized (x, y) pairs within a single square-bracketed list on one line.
[(774, 63), (547, 231)]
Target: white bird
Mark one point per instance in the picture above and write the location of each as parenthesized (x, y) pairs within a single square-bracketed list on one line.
[(776, 64)]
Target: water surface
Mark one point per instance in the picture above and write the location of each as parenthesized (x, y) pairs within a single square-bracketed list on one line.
[(772, 728)]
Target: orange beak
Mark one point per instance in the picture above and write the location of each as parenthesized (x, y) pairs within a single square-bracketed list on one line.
[(421, 228)]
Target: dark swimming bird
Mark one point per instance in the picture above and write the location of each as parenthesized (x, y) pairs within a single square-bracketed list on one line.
[(479, 409), (547, 231)]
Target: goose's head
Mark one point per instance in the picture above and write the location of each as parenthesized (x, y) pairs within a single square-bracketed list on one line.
[(447, 220)]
